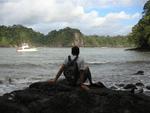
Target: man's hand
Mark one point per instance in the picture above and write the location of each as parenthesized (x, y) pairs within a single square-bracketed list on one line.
[(84, 87), (51, 82)]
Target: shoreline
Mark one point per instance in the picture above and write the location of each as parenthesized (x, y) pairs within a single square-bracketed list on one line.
[(139, 49)]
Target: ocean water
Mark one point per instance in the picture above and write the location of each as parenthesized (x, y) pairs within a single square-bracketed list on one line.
[(108, 65)]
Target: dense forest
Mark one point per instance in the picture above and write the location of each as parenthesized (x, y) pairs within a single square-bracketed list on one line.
[(11, 36), (107, 41), (141, 31), (17, 34)]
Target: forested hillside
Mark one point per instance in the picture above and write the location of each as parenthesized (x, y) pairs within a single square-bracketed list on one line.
[(64, 37), (107, 41), (17, 34), (11, 36)]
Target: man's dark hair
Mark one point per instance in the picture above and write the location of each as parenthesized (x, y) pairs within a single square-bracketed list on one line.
[(75, 50)]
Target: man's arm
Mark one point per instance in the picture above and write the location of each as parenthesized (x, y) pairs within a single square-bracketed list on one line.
[(58, 74)]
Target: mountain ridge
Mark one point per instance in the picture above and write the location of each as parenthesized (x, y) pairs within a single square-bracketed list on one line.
[(12, 36)]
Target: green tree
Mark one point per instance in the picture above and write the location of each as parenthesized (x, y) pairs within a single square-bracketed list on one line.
[(141, 32)]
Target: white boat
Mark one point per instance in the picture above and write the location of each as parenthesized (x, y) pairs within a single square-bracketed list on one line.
[(25, 48)]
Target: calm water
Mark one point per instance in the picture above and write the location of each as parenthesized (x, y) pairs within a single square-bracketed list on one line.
[(108, 65)]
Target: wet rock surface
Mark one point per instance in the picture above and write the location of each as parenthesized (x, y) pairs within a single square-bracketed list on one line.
[(141, 72), (42, 97)]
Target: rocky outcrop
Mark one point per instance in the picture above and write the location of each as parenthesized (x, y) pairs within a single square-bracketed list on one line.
[(41, 97), (78, 39), (141, 72)]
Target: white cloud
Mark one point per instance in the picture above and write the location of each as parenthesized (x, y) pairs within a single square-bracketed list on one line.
[(108, 3), (110, 24), (46, 15)]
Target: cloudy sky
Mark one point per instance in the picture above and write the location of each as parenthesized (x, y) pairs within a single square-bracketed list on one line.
[(100, 17)]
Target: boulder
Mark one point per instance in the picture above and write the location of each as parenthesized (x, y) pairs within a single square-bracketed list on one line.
[(139, 84), (42, 97), (141, 72), (130, 86), (148, 87), (120, 85)]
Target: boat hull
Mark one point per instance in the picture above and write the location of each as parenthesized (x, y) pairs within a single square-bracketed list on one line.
[(27, 50)]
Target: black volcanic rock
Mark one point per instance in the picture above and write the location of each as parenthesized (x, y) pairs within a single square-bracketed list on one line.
[(141, 72), (139, 84), (148, 87), (41, 97), (130, 86)]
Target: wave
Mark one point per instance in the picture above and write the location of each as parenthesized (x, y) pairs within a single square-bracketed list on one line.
[(19, 65), (42, 65), (117, 62), (27, 65), (46, 65), (96, 63), (138, 61)]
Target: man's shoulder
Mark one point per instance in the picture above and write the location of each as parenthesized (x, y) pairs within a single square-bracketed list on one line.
[(80, 58)]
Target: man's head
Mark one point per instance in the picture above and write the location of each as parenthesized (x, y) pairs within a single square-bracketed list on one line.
[(75, 50)]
